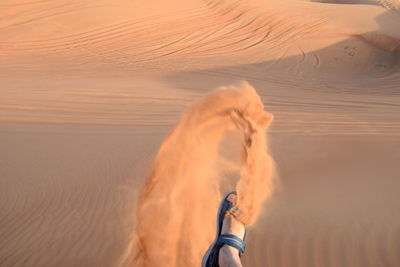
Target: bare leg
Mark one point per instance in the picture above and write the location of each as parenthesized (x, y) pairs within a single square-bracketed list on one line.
[(229, 256)]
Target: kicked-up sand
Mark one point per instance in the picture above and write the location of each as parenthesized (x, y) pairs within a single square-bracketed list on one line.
[(91, 90), (187, 173)]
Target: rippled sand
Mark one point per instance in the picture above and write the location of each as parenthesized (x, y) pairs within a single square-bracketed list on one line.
[(89, 89)]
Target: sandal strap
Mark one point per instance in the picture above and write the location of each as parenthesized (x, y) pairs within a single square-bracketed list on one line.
[(233, 241), (235, 212)]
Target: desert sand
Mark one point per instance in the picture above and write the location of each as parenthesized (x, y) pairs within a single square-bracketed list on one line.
[(89, 90)]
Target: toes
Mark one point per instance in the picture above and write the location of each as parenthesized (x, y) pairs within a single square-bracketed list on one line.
[(232, 198)]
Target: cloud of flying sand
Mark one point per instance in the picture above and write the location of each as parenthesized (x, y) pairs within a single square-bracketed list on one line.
[(178, 202)]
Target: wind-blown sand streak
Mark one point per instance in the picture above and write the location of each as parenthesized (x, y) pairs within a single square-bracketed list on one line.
[(182, 189)]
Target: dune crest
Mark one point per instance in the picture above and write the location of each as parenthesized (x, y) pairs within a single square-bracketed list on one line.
[(178, 202)]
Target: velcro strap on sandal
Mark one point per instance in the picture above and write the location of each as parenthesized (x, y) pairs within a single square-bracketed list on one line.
[(233, 241)]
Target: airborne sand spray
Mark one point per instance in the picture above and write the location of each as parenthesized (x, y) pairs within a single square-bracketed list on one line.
[(178, 202)]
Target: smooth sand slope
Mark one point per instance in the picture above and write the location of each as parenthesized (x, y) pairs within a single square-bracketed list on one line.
[(89, 90)]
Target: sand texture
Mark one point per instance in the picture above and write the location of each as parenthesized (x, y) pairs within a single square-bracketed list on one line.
[(100, 98)]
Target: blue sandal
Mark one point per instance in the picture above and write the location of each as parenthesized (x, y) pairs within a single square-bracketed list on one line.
[(210, 259)]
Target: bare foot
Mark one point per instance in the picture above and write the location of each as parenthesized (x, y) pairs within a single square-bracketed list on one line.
[(229, 256)]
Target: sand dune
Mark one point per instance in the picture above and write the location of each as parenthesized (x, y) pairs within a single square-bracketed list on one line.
[(89, 89)]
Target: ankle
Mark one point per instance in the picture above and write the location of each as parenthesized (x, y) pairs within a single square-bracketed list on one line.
[(228, 256)]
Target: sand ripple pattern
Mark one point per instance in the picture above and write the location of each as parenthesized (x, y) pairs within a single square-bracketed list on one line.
[(214, 32), (308, 243), (303, 112), (58, 211), (391, 4), (208, 29)]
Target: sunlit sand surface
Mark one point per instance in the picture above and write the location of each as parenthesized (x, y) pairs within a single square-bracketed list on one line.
[(90, 89)]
